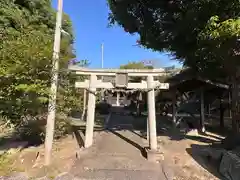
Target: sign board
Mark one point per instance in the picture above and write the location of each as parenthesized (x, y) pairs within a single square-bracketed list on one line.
[(121, 80)]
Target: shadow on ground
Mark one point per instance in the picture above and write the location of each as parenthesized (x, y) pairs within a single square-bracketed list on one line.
[(137, 146), (165, 128), (79, 128), (196, 152)]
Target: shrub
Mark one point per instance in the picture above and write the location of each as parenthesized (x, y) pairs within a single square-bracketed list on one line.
[(62, 128), (33, 130)]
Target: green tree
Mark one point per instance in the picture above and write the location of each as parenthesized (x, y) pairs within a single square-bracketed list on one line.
[(203, 34), (135, 65), (27, 32)]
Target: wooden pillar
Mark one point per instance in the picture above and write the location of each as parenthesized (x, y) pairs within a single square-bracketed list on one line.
[(90, 112), (202, 116), (125, 99), (147, 130), (151, 115), (209, 110), (174, 110), (221, 108), (229, 102)]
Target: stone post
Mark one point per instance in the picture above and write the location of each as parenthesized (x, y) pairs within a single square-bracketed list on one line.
[(151, 115), (118, 96), (90, 112), (84, 104)]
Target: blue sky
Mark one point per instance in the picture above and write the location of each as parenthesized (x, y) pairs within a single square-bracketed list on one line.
[(90, 22)]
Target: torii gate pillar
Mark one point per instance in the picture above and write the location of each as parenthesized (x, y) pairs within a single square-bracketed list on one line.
[(118, 97), (93, 84), (151, 115), (90, 112)]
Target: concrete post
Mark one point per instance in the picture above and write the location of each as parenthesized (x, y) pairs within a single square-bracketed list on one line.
[(151, 115), (54, 84), (118, 96), (90, 112), (84, 104)]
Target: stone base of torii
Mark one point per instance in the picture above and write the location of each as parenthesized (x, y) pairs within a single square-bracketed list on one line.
[(92, 84)]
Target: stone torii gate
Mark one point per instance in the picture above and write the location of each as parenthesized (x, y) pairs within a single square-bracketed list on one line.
[(93, 83)]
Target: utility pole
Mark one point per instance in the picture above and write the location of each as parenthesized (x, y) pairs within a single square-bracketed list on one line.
[(54, 84)]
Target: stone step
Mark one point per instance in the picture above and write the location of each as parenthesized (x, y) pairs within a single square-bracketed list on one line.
[(118, 174), (119, 162)]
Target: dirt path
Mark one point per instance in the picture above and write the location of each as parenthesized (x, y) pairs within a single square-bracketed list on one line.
[(184, 153), (117, 155)]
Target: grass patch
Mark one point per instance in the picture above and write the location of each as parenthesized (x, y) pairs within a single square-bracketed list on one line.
[(7, 165), (98, 123)]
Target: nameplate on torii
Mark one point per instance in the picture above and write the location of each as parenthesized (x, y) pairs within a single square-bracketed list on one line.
[(98, 84)]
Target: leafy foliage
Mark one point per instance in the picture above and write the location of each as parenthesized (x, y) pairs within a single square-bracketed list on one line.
[(203, 34), (135, 65), (27, 32)]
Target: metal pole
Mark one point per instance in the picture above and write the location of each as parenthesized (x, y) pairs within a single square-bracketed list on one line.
[(54, 83)]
